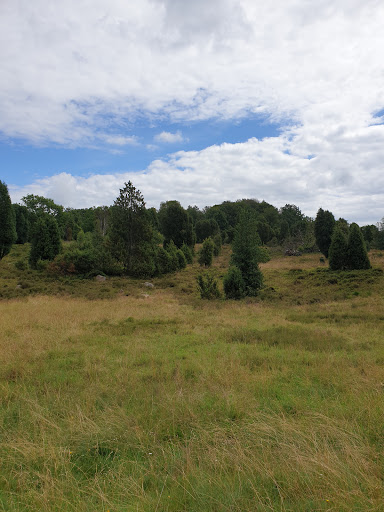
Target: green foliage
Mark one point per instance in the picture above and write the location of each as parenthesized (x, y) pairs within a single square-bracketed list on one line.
[(22, 223), (163, 262), (206, 253), (324, 225), (218, 243), (182, 259), (7, 222), (175, 224), (45, 241), (38, 206), (234, 286), (187, 253), (295, 219), (172, 251), (208, 287), (337, 253), (246, 253), (351, 254), (357, 251), (131, 233), (206, 228)]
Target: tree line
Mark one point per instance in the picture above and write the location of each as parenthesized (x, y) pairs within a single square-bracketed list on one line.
[(130, 238)]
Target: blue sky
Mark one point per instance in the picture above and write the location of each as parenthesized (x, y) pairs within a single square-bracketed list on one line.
[(22, 163), (199, 102)]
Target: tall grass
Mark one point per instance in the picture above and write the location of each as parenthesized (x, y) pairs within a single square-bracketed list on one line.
[(171, 403)]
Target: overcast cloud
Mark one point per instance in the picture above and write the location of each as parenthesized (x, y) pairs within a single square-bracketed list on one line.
[(71, 70)]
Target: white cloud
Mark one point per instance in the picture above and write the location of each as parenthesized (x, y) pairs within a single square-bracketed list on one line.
[(274, 169), (70, 70), (120, 140), (169, 138)]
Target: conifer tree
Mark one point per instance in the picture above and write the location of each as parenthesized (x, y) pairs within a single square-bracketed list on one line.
[(22, 223), (7, 221), (324, 225), (45, 240), (356, 250), (338, 256), (131, 232), (206, 252), (246, 252)]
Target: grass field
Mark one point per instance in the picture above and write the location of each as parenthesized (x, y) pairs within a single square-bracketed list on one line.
[(119, 398)]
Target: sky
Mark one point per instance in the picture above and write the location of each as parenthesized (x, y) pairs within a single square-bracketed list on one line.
[(199, 102)]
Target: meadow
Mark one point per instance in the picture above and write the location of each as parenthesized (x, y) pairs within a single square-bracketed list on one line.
[(121, 398)]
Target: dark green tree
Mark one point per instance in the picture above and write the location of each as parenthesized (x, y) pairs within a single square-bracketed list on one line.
[(356, 250), (294, 217), (39, 205), (206, 253), (187, 253), (45, 240), (22, 223), (206, 228), (175, 224), (337, 254), (7, 221), (131, 234), (324, 225), (247, 253), (234, 286)]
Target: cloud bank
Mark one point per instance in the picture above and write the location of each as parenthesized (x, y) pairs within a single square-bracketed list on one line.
[(71, 71)]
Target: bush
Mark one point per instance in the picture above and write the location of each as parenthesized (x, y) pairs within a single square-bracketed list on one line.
[(217, 244), (234, 285), (187, 253), (206, 253), (208, 287), (163, 262), (357, 251), (181, 258)]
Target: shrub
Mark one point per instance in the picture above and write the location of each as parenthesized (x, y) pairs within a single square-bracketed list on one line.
[(187, 253), (357, 251), (206, 253), (217, 244), (338, 250), (207, 286), (234, 286), (163, 261), (181, 258)]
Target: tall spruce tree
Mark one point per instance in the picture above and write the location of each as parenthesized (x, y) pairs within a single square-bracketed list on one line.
[(356, 250), (7, 221), (324, 225), (337, 254), (246, 252), (131, 233)]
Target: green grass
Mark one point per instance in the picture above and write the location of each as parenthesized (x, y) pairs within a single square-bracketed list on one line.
[(167, 402)]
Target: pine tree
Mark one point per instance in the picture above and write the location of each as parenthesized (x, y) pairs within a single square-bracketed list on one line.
[(7, 221), (338, 256), (246, 253), (131, 232), (356, 250), (324, 225)]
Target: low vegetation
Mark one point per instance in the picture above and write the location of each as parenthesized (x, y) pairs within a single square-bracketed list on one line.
[(152, 399)]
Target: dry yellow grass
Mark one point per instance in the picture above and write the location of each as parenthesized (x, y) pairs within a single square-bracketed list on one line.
[(170, 403)]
